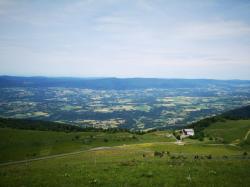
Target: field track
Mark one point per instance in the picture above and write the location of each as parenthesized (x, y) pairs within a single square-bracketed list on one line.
[(54, 156), (93, 149)]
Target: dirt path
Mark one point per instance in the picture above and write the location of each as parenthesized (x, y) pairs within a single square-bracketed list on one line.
[(245, 138), (68, 154), (97, 149), (54, 156)]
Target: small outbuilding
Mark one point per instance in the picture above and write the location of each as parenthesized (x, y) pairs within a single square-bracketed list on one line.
[(188, 132)]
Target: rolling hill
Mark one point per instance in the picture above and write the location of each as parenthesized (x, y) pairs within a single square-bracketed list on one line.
[(115, 83), (230, 127)]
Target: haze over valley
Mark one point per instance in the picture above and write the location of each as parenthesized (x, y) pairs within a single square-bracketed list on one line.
[(135, 104)]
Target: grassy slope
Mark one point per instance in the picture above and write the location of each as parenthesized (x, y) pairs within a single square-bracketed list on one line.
[(126, 166), (133, 164), (232, 131), (30, 144)]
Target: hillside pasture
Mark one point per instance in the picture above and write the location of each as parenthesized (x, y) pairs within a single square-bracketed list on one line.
[(16, 144), (230, 131)]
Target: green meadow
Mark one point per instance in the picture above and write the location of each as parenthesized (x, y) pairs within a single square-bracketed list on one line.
[(145, 164), (230, 131), (24, 144), (126, 159)]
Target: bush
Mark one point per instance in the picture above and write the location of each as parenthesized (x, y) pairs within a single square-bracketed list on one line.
[(93, 181), (209, 157), (172, 157), (180, 157), (77, 137), (178, 137), (159, 154), (201, 139), (129, 163), (86, 141), (148, 174), (200, 136), (134, 137), (196, 157)]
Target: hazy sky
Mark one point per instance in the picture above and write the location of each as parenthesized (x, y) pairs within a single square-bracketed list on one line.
[(126, 38)]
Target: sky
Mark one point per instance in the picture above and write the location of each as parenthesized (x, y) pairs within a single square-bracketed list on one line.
[(126, 38)]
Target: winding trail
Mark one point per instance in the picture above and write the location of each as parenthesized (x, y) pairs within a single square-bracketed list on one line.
[(102, 148), (54, 156), (246, 136)]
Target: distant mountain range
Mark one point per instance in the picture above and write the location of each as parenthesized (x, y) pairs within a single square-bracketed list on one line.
[(116, 83)]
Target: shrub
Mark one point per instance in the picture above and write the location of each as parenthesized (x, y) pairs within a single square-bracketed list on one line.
[(129, 163), (77, 137), (159, 154), (134, 137), (93, 181), (182, 157), (177, 135), (86, 141), (148, 174), (201, 138), (209, 156), (212, 172), (66, 175)]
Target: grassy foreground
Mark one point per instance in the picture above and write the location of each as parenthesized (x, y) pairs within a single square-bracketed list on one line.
[(125, 159), (18, 144), (137, 165)]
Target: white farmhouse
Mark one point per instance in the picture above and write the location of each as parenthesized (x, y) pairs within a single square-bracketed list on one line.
[(188, 132)]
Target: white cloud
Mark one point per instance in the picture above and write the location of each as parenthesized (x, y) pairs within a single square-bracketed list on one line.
[(5, 5), (216, 29), (143, 38)]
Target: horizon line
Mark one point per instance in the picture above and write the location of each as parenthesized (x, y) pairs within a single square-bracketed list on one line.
[(120, 77)]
